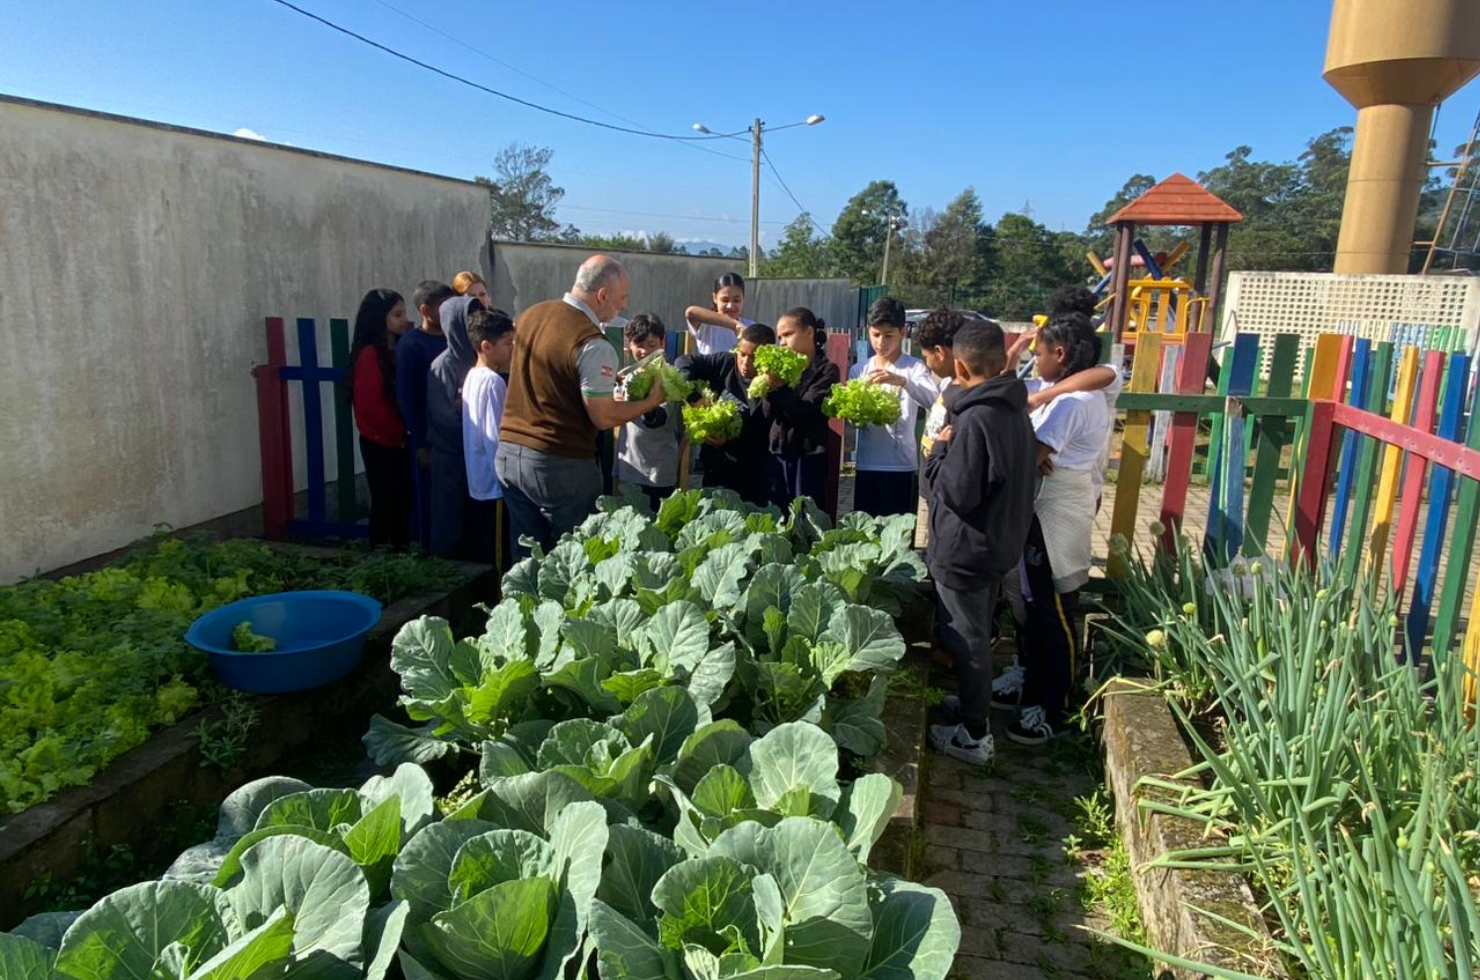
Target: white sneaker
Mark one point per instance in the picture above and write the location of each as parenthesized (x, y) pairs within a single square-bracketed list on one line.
[(1007, 688), (956, 742), (1033, 728)]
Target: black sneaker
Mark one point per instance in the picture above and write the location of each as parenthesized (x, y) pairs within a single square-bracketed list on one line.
[(1034, 728)]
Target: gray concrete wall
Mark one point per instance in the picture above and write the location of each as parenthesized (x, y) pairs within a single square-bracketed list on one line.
[(137, 263), (665, 284)]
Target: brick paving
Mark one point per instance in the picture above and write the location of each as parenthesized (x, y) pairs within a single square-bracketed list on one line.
[(994, 840)]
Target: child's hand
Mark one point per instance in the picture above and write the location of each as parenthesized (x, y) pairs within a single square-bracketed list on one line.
[(881, 376), (715, 441), (945, 434), (1045, 466), (1015, 352)]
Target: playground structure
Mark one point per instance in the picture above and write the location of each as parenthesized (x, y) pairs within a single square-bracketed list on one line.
[(1157, 302)]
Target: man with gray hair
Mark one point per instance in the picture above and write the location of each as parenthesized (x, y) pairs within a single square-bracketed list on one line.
[(561, 395)]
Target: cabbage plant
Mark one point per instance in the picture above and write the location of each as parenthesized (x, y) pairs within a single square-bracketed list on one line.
[(765, 903)]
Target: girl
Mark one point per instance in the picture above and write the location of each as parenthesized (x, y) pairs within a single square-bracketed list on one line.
[(716, 329), (798, 459), (471, 284), (372, 380), (886, 454), (1056, 559)]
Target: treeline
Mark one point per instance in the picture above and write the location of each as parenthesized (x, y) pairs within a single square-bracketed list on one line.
[(1292, 214)]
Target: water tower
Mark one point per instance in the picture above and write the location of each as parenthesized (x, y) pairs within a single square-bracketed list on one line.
[(1395, 60)]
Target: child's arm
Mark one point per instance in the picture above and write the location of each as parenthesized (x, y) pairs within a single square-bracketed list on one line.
[(802, 409), (1090, 379), (1045, 459), (696, 315), (921, 384), (411, 397)]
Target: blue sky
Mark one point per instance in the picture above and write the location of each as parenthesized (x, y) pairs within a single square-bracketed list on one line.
[(1014, 99)]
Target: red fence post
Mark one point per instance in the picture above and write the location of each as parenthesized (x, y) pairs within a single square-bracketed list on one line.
[(274, 436), (1411, 495), (1316, 485), (1191, 377)]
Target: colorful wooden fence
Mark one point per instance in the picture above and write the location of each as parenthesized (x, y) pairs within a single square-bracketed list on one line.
[(275, 435), (1373, 460)]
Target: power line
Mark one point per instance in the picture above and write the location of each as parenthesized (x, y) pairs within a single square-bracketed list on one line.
[(767, 157), (493, 91), (534, 78)]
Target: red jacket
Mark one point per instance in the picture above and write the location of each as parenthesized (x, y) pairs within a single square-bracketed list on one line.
[(376, 416)]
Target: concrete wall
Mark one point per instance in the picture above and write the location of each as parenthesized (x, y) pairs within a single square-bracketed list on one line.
[(525, 274), (138, 263)]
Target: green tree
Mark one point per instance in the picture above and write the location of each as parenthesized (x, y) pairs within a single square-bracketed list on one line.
[(1030, 266), (614, 243), (959, 246), (661, 241), (521, 195), (1100, 236), (801, 252), (858, 234)]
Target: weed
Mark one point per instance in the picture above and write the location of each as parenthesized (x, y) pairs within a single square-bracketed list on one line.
[(223, 742), (1032, 831)]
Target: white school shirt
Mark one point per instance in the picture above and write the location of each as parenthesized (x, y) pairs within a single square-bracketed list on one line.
[(891, 448), (1074, 427), (709, 339), (483, 396)]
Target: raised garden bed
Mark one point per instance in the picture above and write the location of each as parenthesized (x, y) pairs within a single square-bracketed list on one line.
[(128, 797), (1142, 739)]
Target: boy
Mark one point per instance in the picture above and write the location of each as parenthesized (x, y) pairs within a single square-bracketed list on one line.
[(981, 468), (885, 456), (647, 447), (738, 464), (934, 336), (415, 352), (491, 334)]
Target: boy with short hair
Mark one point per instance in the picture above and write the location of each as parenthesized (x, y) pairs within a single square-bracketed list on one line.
[(647, 447), (886, 458), (415, 352), (491, 334), (981, 468)]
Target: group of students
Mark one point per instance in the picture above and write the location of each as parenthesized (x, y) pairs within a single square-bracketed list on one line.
[(422, 397), (1012, 474), (1010, 471)]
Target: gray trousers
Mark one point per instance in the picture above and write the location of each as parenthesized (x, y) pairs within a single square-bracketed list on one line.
[(546, 495), (964, 618), (449, 493)]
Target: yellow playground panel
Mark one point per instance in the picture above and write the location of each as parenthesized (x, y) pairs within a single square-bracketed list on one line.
[(1166, 306)]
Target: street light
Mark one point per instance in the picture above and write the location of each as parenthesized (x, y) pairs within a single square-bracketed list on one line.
[(755, 131)]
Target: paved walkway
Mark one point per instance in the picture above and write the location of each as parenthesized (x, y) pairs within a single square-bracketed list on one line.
[(995, 842)]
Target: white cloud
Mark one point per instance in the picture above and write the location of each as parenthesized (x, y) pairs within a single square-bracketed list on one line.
[(249, 134)]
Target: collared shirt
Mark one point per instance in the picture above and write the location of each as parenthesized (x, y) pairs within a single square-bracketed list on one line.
[(596, 361)]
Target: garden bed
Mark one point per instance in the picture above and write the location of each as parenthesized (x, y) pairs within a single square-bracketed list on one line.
[(1142, 740), (127, 798)]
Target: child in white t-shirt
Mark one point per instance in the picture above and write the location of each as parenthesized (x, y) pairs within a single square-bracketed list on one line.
[(1056, 559), (717, 329), (491, 333), (648, 446), (886, 457)]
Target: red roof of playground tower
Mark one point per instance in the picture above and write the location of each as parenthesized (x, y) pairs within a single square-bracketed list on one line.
[(1178, 200)]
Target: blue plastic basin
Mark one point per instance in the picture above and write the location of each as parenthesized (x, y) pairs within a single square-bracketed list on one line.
[(320, 637)]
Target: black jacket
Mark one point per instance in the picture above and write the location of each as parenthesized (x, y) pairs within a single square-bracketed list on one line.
[(738, 464), (798, 426), (982, 484)]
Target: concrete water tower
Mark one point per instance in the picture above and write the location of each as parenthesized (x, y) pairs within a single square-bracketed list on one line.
[(1395, 60)]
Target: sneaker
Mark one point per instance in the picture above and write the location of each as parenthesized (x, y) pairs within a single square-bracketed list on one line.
[(956, 742), (1033, 728), (1007, 688)]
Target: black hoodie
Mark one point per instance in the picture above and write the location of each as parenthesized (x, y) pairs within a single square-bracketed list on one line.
[(981, 484), (798, 426), (737, 463)]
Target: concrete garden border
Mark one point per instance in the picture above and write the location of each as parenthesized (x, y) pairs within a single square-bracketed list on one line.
[(1142, 738), (127, 799)]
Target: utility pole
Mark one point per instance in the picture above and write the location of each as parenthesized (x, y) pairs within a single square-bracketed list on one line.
[(755, 199), (755, 131), (888, 234)]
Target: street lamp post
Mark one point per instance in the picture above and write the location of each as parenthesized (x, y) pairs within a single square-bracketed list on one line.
[(755, 130)]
